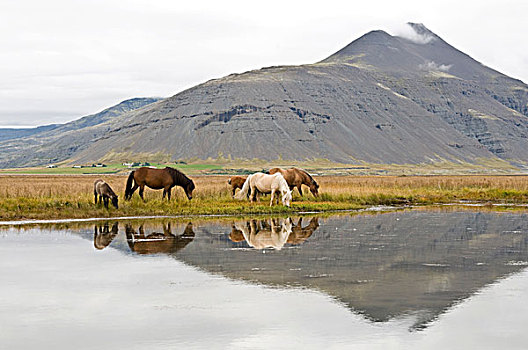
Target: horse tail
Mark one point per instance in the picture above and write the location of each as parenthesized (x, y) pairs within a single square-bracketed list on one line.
[(128, 188), (245, 189)]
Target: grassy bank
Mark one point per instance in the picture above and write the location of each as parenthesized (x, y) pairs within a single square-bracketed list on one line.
[(71, 196)]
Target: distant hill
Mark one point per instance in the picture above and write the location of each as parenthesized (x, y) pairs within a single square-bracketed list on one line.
[(14, 133), (57, 142), (381, 99)]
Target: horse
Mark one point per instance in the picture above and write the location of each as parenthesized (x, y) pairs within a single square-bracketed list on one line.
[(158, 242), (103, 235), (236, 182), (296, 177), (260, 234), (157, 179), (105, 192), (264, 183), (300, 234)]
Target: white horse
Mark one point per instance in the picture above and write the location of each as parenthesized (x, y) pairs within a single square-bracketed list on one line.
[(264, 183)]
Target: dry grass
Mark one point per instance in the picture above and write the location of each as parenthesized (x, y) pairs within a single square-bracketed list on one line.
[(65, 196)]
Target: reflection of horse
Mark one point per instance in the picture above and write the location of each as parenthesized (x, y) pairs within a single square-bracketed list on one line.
[(103, 236), (236, 182), (264, 183), (259, 234), (104, 191), (296, 177), (158, 179), (300, 234), (157, 242)]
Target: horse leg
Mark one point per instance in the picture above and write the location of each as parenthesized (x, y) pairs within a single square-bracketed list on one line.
[(141, 189), (105, 200), (133, 189), (95, 195), (252, 194), (164, 193), (272, 194), (233, 192), (169, 190), (299, 188)]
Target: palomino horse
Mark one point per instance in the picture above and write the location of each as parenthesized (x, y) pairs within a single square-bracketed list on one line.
[(104, 191), (158, 179), (236, 182), (296, 177), (264, 183)]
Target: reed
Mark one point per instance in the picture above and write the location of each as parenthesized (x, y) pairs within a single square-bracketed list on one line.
[(71, 196)]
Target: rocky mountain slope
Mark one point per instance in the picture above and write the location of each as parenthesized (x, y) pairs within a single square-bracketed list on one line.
[(381, 99)]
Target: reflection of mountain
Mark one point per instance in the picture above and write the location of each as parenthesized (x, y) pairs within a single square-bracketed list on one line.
[(382, 266)]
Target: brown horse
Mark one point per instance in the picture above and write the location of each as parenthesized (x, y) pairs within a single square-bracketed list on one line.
[(105, 192), (236, 182), (158, 179), (296, 177)]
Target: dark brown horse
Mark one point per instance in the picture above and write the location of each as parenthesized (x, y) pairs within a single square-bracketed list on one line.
[(158, 242), (158, 179), (105, 192), (296, 177)]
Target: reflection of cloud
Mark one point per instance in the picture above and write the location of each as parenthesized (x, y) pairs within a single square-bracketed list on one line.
[(431, 65)]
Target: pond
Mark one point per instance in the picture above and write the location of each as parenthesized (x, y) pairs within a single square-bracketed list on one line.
[(411, 279)]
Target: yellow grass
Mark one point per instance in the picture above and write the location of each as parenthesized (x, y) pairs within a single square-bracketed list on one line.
[(71, 196)]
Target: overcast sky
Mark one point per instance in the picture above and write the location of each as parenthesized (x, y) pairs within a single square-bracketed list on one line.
[(63, 59)]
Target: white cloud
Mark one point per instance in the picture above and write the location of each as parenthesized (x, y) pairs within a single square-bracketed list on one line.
[(433, 66), (408, 32)]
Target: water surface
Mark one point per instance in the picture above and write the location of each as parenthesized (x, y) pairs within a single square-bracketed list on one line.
[(412, 279)]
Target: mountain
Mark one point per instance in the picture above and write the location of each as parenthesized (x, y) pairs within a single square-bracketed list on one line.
[(381, 99), (15, 133), (58, 142)]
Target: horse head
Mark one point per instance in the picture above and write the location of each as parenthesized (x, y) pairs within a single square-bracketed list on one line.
[(286, 197), (114, 201), (189, 188), (314, 188)]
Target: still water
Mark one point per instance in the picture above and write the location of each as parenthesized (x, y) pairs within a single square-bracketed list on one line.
[(398, 280)]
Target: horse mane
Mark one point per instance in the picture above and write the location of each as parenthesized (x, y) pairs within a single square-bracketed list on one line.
[(306, 173), (112, 193), (178, 176)]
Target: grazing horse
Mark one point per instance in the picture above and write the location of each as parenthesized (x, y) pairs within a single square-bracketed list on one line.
[(158, 179), (104, 191), (236, 182), (264, 183), (296, 177)]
